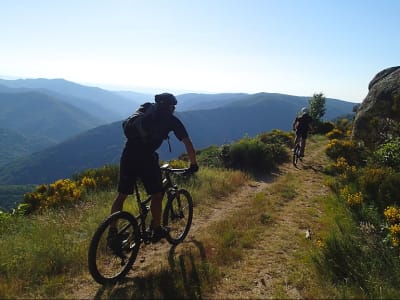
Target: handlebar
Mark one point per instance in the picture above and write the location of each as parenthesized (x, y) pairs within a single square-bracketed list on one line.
[(180, 171)]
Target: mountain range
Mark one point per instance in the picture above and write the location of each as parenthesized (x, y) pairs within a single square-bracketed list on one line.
[(72, 127)]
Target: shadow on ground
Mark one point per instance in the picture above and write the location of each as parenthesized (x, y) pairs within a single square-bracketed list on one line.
[(183, 278)]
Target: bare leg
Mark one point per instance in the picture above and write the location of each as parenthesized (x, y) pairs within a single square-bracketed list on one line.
[(118, 203), (296, 140), (156, 209), (302, 147)]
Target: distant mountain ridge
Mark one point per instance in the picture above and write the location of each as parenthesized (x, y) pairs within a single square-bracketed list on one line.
[(244, 114), (80, 95)]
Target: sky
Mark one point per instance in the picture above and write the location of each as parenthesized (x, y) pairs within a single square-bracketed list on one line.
[(295, 47)]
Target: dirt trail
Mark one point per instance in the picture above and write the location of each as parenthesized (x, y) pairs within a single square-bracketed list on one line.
[(264, 271)]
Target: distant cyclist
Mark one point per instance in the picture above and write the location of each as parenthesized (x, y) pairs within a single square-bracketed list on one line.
[(140, 160), (301, 126)]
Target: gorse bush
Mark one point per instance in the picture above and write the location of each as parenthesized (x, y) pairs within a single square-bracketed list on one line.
[(61, 192), (210, 157), (252, 155), (259, 154), (392, 216), (388, 154), (277, 136), (335, 133), (64, 192), (105, 177), (352, 152)]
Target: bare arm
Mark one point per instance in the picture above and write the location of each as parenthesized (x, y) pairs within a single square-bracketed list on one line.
[(190, 150)]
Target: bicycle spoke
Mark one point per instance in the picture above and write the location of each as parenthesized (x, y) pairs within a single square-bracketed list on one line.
[(111, 256), (178, 217)]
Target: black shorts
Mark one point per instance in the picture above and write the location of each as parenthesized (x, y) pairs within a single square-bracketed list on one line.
[(143, 166), (302, 133)]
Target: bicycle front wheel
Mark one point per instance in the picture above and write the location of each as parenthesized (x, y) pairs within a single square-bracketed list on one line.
[(110, 260), (178, 215)]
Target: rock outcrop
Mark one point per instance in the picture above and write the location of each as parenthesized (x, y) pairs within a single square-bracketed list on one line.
[(379, 114)]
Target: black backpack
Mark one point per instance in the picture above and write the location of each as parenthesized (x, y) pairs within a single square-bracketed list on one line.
[(133, 125)]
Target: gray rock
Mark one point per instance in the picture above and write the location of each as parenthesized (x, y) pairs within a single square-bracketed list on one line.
[(379, 113)]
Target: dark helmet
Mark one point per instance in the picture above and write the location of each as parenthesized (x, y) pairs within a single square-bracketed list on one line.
[(165, 98)]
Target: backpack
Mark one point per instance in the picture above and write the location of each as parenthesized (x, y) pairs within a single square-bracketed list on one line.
[(133, 125)]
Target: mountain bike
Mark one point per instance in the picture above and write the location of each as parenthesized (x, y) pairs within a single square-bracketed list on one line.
[(107, 265), (297, 151)]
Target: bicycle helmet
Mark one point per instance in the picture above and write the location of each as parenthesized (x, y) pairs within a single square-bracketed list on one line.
[(165, 98), (304, 110)]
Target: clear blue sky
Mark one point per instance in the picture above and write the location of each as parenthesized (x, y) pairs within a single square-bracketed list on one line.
[(296, 47)]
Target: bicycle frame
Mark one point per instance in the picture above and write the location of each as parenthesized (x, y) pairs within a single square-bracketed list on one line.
[(144, 206)]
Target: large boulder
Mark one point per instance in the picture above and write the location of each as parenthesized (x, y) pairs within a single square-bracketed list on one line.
[(378, 116)]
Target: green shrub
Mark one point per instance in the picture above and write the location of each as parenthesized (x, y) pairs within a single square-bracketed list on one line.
[(389, 190), (318, 127), (352, 152), (105, 177), (210, 157), (335, 133), (388, 154), (253, 155), (277, 136), (370, 181)]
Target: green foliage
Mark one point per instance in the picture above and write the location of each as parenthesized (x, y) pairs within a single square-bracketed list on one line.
[(335, 133), (346, 260), (319, 127), (277, 136), (388, 154), (41, 251), (352, 152), (252, 155), (210, 157), (370, 180), (105, 177), (317, 106)]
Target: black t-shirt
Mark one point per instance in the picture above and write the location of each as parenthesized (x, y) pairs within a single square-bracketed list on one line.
[(160, 125), (303, 123)]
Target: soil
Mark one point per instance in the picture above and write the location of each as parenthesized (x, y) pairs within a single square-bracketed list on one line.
[(265, 269)]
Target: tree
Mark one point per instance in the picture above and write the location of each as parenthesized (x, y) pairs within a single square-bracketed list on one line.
[(317, 106)]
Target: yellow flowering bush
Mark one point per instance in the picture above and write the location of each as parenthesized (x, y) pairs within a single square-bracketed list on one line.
[(371, 179), (347, 149), (88, 183), (352, 199), (102, 178), (335, 133), (392, 214), (60, 192)]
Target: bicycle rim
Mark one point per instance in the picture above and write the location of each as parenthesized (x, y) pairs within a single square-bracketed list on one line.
[(178, 216), (107, 265)]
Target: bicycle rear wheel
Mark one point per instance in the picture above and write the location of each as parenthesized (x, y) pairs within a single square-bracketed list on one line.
[(296, 154), (178, 215), (108, 263)]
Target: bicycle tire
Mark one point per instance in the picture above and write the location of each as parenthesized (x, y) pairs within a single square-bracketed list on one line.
[(178, 215), (296, 154), (105, 266)]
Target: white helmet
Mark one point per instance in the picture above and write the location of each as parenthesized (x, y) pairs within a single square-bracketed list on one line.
[(304, 110)]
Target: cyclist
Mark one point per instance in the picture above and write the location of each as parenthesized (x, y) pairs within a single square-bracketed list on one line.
[(301, 126), (139, 159)]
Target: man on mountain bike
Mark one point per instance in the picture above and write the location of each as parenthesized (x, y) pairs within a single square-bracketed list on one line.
[(139, 159), (301, 126)]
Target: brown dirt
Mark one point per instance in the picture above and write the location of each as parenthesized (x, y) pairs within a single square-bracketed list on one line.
[(265, 269)]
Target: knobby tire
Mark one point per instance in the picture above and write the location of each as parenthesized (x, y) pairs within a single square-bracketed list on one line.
[(105, 266), (178, 215)]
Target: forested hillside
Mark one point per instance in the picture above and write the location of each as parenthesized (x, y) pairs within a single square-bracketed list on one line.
[(103, 145)]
